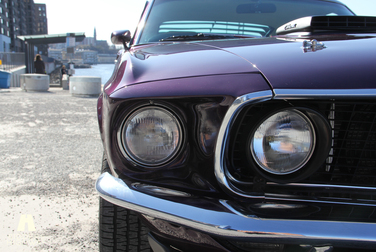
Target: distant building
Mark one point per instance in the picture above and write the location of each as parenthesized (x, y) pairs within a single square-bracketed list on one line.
[(31, 28), (4, 43), (79, 56), (87, 56), (41, 19), (106, 58), (58, 46), (92, 41), (82, 56), (55, 53), (102, 43), (95, 36), (87, 41), (41, 25), (18, 18), (4, 19)]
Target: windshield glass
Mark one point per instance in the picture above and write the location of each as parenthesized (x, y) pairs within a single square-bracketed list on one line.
[(253, 18)]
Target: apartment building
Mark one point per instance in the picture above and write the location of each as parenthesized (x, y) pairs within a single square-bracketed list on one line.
[(21, 17), (41, 25)]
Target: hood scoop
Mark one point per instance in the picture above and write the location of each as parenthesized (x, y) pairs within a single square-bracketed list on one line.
[(329, 23)]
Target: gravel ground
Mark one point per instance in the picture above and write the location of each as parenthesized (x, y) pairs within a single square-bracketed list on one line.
[(51, 154)]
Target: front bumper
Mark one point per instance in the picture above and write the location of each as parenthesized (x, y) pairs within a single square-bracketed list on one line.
[(218, 219)]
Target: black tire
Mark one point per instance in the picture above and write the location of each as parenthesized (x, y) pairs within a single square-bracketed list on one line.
[(120, 229)]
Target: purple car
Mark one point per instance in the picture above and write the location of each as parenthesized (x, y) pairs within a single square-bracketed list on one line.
[(240, 125)]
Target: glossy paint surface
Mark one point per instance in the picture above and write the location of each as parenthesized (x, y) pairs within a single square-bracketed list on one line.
[(346, 62), (176, 61)]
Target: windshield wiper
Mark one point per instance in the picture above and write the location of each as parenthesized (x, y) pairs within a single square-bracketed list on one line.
[(201, 36)]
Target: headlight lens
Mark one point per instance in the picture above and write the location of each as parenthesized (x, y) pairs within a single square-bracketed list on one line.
[(151, 136), (283, 143)]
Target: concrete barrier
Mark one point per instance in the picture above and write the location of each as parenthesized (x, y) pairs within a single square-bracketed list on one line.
[(85, 85), (65, 81), (35, 82), (16, 75)]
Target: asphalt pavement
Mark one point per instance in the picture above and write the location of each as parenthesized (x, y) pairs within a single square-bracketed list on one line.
[(50, 152)]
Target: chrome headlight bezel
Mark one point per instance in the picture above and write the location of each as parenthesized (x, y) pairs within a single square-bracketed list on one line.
[(299, 161), (134, 158), (322, 142)]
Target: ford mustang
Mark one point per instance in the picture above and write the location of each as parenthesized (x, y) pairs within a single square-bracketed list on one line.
[(240, 125)]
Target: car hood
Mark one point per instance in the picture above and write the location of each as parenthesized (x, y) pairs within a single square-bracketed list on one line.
[(163, 61), (338, 62), (343, 62)]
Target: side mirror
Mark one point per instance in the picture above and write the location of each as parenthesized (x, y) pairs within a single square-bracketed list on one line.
[(121, 38)]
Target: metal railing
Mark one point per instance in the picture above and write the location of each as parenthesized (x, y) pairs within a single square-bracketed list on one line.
[(10, 61)]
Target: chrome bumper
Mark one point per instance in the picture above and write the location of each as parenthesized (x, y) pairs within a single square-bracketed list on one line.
[(224, 222)]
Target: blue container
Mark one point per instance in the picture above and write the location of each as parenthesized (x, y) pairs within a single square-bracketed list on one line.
[(5, 79)]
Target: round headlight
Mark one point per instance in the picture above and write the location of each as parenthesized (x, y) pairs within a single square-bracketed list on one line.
[(283, 143), (151, 136)]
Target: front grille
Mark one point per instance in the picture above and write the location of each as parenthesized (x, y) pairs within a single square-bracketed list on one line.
[(353, 160), (349, 174)]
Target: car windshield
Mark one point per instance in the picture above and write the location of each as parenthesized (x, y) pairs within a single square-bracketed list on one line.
[(201, 19)]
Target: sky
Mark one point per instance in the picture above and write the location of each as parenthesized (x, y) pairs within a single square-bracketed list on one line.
[(69, 16)]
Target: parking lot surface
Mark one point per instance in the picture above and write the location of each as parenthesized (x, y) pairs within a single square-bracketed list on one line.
[(50, 152)]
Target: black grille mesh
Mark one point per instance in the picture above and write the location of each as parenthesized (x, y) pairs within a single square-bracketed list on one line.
[(353, 160)]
